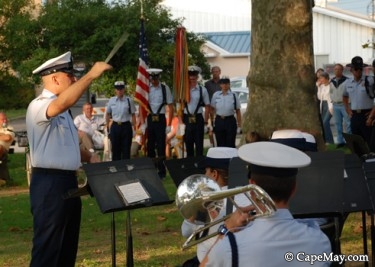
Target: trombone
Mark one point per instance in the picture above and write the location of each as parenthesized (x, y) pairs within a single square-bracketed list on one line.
[(197, 194)]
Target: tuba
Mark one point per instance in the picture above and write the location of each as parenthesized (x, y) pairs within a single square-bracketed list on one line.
[(197, 194)]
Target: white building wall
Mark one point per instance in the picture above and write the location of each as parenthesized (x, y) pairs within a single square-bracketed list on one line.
[(340, 40)]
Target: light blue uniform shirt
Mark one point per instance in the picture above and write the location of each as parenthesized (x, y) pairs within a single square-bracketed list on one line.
[(53, 142), (119, 108), (194, 99), (224, 104), (266, 241), (155, 98), (356, 91)]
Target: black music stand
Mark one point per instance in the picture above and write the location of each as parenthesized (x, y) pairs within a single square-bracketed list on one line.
[(105, 176), (179, 169)]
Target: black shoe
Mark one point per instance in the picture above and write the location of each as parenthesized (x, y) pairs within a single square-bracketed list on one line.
[(340, 145)]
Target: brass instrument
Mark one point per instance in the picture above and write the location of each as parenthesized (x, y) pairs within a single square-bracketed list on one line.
[(199, 193)]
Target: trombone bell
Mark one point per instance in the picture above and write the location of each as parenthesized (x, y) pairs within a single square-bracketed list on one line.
[(197, 193)]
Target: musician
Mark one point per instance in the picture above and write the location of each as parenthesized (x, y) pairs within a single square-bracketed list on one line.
[(216, 165), (267, 241)]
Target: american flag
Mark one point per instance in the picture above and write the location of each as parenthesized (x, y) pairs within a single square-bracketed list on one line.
[(142, 88)]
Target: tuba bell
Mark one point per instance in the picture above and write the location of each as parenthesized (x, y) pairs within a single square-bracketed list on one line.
[(197, 194)]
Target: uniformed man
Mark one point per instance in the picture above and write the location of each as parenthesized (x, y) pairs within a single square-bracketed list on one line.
[(196, 124), (225, 104), (121, 110), (216, 166), (7, 136), (279, 234), (159, 96), (213, 84), (55, 157), (360, 104)]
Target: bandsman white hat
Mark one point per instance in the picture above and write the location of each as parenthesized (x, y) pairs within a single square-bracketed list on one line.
[(119, 84), (218, 157), (194, 70), (154, 72), (63, 63), (273, 159)]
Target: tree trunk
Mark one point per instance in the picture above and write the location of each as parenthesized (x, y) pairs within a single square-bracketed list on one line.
[(281, 76)]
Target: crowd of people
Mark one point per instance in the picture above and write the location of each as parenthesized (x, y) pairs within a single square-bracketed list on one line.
[(58, 143), (349, 101)]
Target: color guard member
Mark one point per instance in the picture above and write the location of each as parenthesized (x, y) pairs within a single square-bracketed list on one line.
[(225, 104), (157, 128), (360, 104), (196, 124), (121, 110)]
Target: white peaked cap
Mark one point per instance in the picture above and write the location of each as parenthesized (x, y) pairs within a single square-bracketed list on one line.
[(63, 62), (271, 154), (154, 71)]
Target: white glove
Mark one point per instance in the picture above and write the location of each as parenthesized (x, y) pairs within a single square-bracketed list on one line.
[(168, 129), (239, 130), (143, 128), (209, 128), (205, 130)]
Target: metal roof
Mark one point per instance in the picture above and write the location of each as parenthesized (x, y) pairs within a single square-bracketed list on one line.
[(234, 42)]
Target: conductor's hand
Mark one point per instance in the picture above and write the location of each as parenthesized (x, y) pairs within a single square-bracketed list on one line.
[(98, 69)]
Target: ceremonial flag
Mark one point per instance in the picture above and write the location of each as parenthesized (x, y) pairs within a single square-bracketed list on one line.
[(181, 82), (142, 87)]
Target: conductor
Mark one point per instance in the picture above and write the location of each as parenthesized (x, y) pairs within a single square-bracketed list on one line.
[(55, 157)]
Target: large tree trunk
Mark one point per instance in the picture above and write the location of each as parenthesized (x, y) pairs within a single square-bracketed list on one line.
[(281, 77)]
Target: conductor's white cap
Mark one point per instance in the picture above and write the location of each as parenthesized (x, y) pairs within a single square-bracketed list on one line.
[(62, 63)]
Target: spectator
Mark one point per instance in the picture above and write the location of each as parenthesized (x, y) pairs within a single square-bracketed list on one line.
[(325, 107), (88, 129), (7, 136), (340, 116), (213, 84)]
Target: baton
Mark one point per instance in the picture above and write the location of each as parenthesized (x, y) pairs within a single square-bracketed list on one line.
[(119, 43)]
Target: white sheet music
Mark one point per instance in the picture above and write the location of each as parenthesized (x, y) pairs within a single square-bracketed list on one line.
[(133, 193)]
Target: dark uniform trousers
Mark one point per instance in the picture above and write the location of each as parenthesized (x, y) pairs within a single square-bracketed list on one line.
[(156, 140), (56, 220), (225, 131), (121, 135), (358, 126), (194, 133)]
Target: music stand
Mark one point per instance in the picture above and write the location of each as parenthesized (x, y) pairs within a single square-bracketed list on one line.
[(179, 169), (104, 178)]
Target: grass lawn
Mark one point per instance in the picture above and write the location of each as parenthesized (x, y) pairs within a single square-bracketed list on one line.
[(156, 230)]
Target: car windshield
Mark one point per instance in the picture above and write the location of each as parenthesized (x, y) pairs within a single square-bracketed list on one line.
[(242, 96), (236, 84)]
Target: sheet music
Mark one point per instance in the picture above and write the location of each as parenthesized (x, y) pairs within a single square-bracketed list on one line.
[(133, 192)]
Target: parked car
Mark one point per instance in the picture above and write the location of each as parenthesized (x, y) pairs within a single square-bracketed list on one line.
[(243, 97), (238, 82)]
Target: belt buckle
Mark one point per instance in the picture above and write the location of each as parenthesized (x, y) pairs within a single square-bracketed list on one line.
[(222, 117), (155, 118), (119, 123), (192, 119), (358, 110)]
